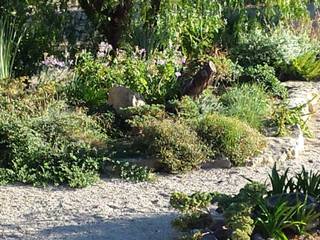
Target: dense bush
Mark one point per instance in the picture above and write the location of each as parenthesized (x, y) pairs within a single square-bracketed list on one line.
[(276, 48), (257, 48), (155, 78), (193, 25), (230, 137), (249, 103), (92, 81), (155, 110), (173, 143), (47, 25), (55, 147), (307, 66), (265, 76), (190, 109)]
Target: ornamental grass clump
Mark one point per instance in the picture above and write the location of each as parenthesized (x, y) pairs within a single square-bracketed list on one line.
[(230, 137), (247, 102), (9, 44)]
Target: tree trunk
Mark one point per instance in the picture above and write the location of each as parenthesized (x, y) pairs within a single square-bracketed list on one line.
[(202, 79)]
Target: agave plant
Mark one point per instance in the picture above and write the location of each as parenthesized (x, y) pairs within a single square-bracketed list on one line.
[(9, 44)]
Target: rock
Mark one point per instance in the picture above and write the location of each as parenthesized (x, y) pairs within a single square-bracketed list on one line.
[(291, 199), (223, 233), (258, 236), (221, 162), (209, 236), (298, 141), (122, 97)]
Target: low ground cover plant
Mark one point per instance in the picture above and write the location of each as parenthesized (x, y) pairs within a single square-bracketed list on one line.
[(54, 148), (265, 76), (288, 208)]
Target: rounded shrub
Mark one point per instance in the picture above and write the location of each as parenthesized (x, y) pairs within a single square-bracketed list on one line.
[(231, 137), (175, 145)]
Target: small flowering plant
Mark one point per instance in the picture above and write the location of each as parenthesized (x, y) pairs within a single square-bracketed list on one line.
[(164, 81), (156, 77), (104, 50), (54, 62)]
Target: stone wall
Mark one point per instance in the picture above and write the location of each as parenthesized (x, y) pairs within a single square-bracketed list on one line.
[(82, 27)]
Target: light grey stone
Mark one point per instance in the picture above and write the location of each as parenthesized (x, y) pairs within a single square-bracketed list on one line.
[(122, 97)]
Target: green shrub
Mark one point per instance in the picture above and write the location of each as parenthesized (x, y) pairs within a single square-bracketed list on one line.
[(206, 103), (307, 66), (92, 81), (54, 147), (257, 48), (47, 25), (173, 143), (285, 117), (187, 108), (130, 171), (277, 48), (154, 110), (156, 78), (249, 103), (265, 76), (231, 137), (228, 71)]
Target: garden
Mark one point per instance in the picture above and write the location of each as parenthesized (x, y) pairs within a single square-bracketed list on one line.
[(166, 98)]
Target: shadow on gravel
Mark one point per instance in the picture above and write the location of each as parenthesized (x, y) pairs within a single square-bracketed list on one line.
[(156, 227)]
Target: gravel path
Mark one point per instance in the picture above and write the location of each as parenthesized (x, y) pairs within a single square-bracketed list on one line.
[(119, 210)]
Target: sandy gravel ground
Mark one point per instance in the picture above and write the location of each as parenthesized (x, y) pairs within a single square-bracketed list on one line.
[(119, 210)]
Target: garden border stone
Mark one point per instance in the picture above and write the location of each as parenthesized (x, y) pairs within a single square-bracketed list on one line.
[(281, 149)]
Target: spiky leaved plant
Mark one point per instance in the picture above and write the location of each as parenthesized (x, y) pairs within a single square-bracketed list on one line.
[(10, 39)]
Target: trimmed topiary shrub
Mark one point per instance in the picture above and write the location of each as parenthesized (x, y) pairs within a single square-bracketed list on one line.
[(174, 144), (231, 137)]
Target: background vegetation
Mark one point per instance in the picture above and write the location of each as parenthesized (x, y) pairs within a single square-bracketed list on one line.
[(57, 128)]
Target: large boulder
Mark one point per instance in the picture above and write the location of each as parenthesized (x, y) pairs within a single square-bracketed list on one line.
[(122, 97)]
